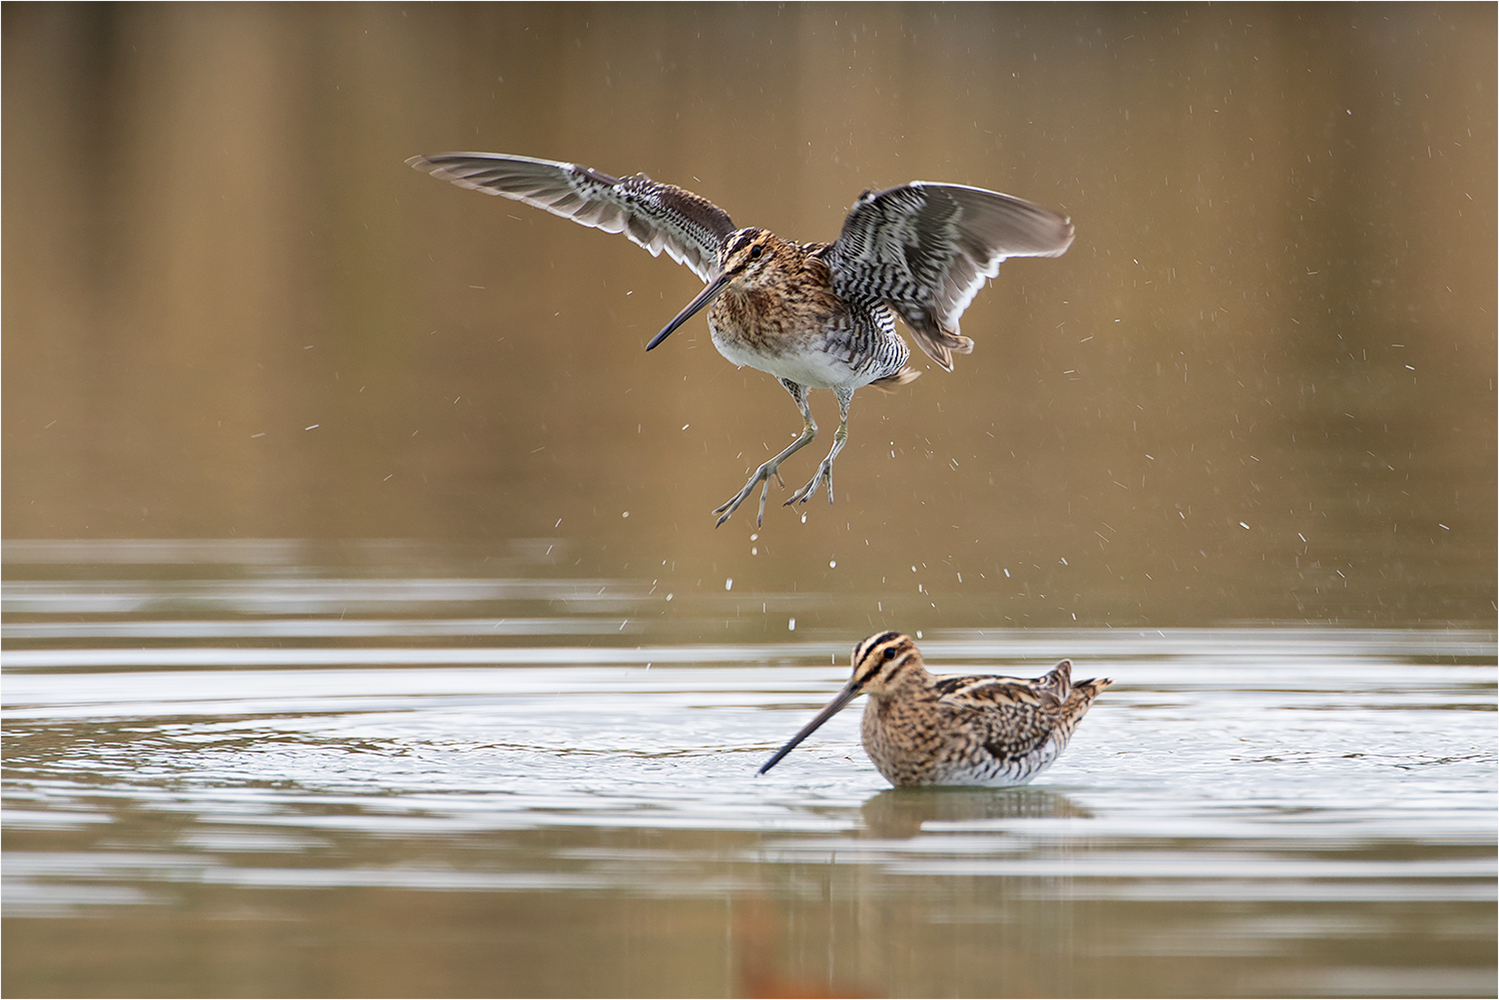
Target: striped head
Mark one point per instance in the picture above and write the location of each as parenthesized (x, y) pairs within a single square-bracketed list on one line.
[(747, 258), (883, 661)]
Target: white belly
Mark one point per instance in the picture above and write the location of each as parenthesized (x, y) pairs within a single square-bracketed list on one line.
[(814, 369)]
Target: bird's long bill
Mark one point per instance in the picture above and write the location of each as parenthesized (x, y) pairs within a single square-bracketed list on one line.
[(708, 294), (831, 709)]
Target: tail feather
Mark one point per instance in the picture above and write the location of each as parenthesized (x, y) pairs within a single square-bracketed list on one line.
[(1083, 693), (939, 343), (889, 382), (1079, 701)]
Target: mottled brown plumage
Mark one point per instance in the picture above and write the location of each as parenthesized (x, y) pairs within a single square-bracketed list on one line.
[(976, 729), (814, 315)]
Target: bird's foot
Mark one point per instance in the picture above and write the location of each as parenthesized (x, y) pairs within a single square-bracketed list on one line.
[(824, 473), (762, 475)]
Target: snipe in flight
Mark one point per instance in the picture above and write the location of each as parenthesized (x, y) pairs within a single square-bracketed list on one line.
[(977, 729), (814, 315)]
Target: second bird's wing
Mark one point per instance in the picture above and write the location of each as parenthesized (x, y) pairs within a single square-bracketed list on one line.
[(656, 216), (926, 249), (1011, 715)]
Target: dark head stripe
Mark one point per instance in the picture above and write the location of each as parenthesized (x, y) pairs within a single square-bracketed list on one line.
[(740, 241), (863, 648)]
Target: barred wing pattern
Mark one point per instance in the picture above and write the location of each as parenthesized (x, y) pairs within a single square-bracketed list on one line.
[(690, 229), (926, 249), (1013, 716), (977, 692)]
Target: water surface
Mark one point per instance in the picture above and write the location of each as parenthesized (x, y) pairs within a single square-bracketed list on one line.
[(279, 780)]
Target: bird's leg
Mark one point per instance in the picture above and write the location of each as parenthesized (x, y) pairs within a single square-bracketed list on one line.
[(772, 467), (825, 470)]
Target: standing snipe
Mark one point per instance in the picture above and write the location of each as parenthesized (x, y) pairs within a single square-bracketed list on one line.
[(978, 729), (814, 315)]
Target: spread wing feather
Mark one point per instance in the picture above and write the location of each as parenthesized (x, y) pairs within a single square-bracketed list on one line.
[(660, 217), (926, 249)]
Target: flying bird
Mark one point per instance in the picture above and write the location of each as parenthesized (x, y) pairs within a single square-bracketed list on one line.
[(814, 315)]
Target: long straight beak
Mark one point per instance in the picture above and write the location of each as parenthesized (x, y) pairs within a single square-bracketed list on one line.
[(831, 709), (708, 294)]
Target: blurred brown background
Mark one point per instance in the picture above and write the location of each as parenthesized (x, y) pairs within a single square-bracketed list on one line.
[(1259, 386)]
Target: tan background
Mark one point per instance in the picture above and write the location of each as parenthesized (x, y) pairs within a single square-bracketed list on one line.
[(1260, 385)]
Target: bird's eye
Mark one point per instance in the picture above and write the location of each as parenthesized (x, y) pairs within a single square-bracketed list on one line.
[(755, 252), (889, 652)]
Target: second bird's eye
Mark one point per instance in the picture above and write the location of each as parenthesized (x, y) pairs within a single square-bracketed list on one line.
[(755, 252)]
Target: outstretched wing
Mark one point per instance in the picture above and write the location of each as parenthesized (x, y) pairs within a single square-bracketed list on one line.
[(657, 216), (926, 249)]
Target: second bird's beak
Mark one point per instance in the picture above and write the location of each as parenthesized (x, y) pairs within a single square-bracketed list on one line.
[(714, 289), (845, 696)]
